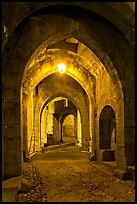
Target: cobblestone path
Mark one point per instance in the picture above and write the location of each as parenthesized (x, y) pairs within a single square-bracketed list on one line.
[(68, 175)]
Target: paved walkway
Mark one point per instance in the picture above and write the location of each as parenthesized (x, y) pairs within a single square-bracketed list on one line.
[(67, 175)]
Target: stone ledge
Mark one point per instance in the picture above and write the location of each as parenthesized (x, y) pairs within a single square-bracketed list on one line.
[(53, 147), (106, 155), (10, 189), (12, 182)]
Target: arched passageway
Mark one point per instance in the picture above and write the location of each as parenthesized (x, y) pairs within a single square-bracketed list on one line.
[(53, 127), (107, 128), (47, 93), (96, 43), (107, 134)]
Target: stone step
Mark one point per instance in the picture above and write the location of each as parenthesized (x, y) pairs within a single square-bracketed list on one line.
[(60, 146)]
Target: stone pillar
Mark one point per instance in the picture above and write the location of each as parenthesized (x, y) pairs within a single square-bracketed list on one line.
[(3, 156), (30, 124), (24, 126), (36, 121), (46, 139), (61, 131), (113, 135), (85, 130), (43, 128), (120, 139), (79, 130), (91, 129), (12, 157), (56, 130), (96, 144), (129, 128), (75, 129), (50, 122), (120, 148)]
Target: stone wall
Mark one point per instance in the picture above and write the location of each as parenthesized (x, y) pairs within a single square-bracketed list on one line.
[(68, 132)]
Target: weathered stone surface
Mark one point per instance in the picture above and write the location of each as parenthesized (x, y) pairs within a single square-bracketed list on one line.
[(108, 155), (125, 175), (25, 186), (10, 189), (69, 176)]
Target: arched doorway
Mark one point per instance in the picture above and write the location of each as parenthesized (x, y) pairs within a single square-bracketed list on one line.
[(52, 117), (107, 133)]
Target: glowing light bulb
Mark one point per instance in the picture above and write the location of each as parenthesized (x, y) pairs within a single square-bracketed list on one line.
[(61, 67)]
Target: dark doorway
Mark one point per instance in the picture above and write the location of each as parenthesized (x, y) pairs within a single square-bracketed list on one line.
[(107, 128)]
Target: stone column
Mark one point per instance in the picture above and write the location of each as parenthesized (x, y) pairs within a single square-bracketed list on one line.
[(50, 120), (75, 129), (36, 121), (55, 130), (79, 129), (120, 139), (113, 135), (24, 126), (43, 128), (91, 129), (129, 126), (12, 157), (97, 136), (30, 124), (50, 123), (3, 156), (59, 130)]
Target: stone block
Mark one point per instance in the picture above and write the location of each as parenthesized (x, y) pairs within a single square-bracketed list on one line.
[(11, 94), (106, 155), (25, 186), (11, 132), (10, 188), (11, 113), (130, 153), (124, 175), (11, 155), (11, 81), (12, 169)]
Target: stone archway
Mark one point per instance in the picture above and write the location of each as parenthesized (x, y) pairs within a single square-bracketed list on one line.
[(83, 116), (107, 128), (107, 134), (49, 92), (18, 51)]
